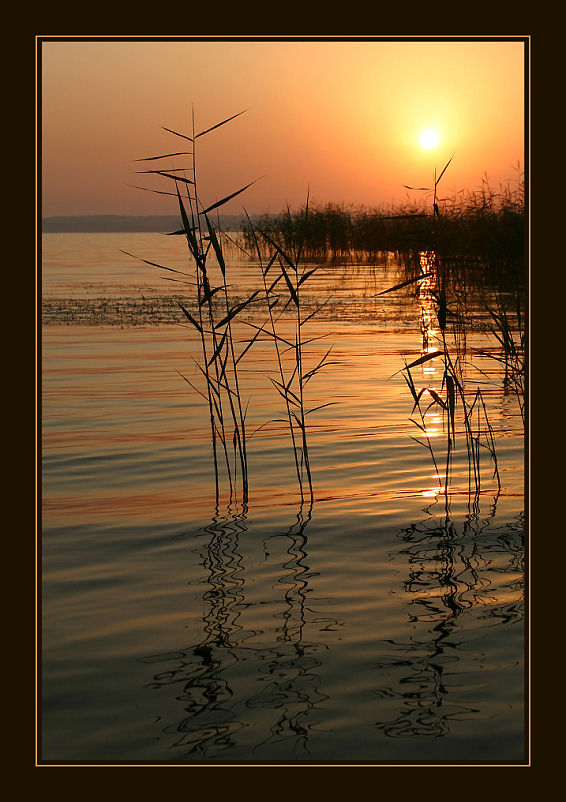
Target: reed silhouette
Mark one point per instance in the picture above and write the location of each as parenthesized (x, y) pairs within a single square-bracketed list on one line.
[(291, 385), (219, 366), (477, 233), (453, 396), (279, 246)]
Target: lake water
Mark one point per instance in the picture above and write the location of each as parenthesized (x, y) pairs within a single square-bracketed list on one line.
[(384, 623)]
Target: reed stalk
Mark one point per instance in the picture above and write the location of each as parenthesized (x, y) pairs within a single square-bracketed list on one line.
[(292, 276), (219, 366)]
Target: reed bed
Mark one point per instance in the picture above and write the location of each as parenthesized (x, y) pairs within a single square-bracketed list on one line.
[(479, 234)]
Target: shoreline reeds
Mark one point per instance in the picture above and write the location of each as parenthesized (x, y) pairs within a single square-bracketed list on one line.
[(477, 233)]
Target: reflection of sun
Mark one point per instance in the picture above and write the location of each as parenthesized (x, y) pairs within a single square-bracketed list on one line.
[(429, 138)]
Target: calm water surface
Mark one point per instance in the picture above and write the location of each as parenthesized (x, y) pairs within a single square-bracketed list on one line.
[(382, 624)]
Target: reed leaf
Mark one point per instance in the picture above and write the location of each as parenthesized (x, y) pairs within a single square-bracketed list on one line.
[(236, 309), (409, 379), (270, 333), (193, 387), (440, 401), (189, 230), (306, 275), (287, 390), (216, 246), (442, 173), (223, 364), (279, 250), (287, 400), (174, 177), (218, 349), (274, 283), (418, 397), (160, 172), (148, 189), (420, 426), (321, 406), (421, 359), (208, 295), (233, 117), (227, 198), (312, 314), (191, 318), (405, 284), (154, 264), (451, 399), (270, 265), (248, 346), (292, 290), (212, 382), (288, 395), (165, 156), (183, 136), (259, 428), (321, 364)]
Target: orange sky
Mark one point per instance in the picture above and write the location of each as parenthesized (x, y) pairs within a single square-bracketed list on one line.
[(341, 118)]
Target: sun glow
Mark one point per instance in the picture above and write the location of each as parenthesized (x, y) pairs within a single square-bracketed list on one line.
[(429, 138)]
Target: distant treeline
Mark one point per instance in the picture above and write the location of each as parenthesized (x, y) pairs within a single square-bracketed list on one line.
[(108, 223)]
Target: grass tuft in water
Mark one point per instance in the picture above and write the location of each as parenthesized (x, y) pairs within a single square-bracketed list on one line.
[(219, 358)]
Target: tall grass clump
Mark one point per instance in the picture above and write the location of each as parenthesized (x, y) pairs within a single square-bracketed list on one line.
[(211, 313), (456, 402), (284, 277)]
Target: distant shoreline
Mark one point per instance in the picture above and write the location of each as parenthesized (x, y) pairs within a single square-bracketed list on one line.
[(116, 223)]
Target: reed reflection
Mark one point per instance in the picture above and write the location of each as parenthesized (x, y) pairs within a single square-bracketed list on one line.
[(452, 573), (201, 669), (219, 676), (292, 685)]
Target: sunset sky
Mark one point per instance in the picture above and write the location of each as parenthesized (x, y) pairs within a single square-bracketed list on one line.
[(340, 119)]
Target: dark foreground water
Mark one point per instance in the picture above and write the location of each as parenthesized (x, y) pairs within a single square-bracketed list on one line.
[(382, 623)]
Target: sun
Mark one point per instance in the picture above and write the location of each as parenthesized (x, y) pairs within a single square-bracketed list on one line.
[(429, 138)]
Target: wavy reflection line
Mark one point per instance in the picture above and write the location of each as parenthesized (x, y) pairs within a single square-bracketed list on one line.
[(214, 711), (293, 686), (207, 696), (448, 577)]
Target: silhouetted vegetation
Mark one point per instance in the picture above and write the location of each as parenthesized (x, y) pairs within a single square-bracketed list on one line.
[(479, 232), (447, 245)]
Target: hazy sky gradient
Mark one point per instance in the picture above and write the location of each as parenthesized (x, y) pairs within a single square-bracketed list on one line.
[(339, 118)]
